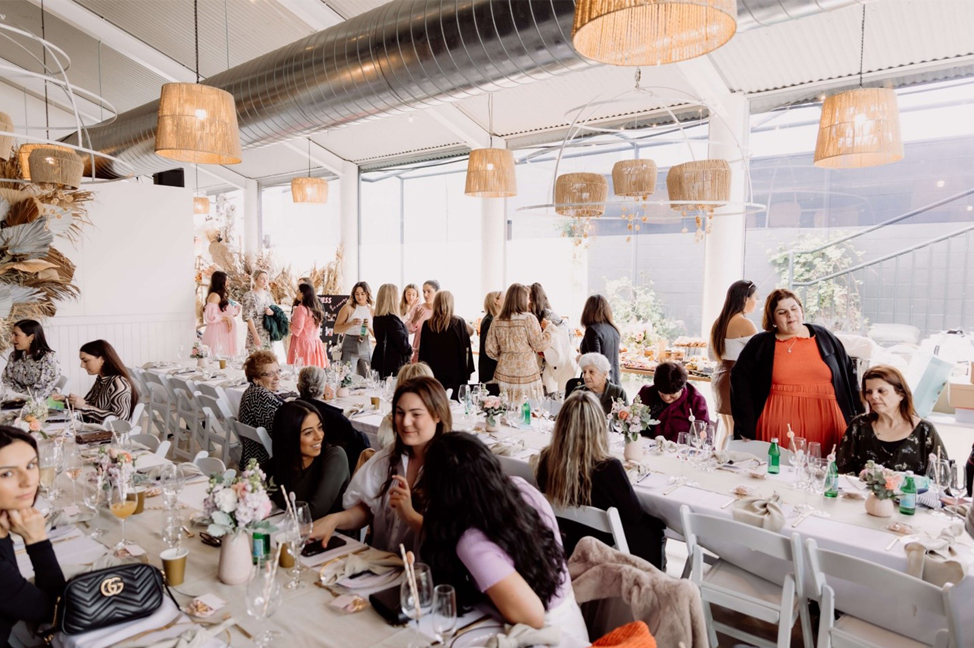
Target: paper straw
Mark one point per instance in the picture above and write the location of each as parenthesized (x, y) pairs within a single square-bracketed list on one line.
[(411, 578)]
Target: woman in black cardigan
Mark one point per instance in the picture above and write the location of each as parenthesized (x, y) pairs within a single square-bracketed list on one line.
[(486, 365), (601, 335), (19, 478), (446, 345), (392, 347), (780, 380)]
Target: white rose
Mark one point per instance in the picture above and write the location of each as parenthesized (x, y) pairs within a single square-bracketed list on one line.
[(226, 500)]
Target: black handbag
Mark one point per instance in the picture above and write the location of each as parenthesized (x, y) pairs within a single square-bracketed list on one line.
[(107, 597)]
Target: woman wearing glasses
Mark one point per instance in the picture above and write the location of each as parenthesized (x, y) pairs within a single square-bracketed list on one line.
[(729, 335), (259, 403)]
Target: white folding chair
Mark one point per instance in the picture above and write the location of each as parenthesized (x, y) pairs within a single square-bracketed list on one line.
[(607, 521), (61, 384), (731, 587), (214, 391), (161, 405), (120, 426), (259, 435), (216, 415), (209, 465), (148, 440), (189, 419), (137, 412), (882, 582)]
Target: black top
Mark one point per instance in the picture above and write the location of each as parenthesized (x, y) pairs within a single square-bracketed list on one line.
[(19, 599), (611, 487), (321, 484), (603, 338), (751, 378), (392, 347), (339, 432), (485, 364), (611, 392), (448, 354), (859, 444), (258, 406)]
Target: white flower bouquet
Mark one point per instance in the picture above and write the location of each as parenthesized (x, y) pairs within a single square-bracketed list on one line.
[(242, 503)]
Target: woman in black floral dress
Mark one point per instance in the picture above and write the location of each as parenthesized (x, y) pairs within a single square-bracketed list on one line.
[(891, 434)]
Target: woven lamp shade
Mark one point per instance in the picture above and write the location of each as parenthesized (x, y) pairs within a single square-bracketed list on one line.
[(490, 174), (201, 205), (6, 141), (651, 32), (578, 188), (23, 155), (55, 165), (197, 124), (309, 190), (859, 128), (634, 178), (703, 180)]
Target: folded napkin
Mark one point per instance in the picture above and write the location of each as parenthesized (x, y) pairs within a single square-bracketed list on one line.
[(197, 637), (663, 445), (735, 457), (522, 635), (762, 513), (942, 559), (373, 560), (507, 449)]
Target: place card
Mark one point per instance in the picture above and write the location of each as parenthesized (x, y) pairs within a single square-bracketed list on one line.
[(70, 511), (134, 550), (204, 606)]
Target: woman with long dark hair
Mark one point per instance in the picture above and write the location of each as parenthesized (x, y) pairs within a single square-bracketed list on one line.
[(306, 330), (410, 297), (728, 337), (218, 315), (305, 463), (392, 348), (20, 476), (601, 334), (32, 368), (446, 345), (114, 393), (421, 312), (383, 493), (489, 534), (486, 365), (355, 322)]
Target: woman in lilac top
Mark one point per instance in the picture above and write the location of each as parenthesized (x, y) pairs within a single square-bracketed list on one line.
[(489, 534)]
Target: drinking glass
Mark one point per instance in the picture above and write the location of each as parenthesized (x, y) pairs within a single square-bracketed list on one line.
[(444, 612), (476, 396), (172, 485), (299, 531), (814, 450), (121, 506), (263, 599), (73, 467), (799, 453), (47, 458), (172, 529), (463, 393), (424, 592), (818, 479), (94, 497)]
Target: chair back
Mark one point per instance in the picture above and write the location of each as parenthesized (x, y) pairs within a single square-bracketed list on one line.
[(119, 426), (607, 521), (211, 390), (148, 440), (258, 435), (61, 384), (209, 465), (137, 412)]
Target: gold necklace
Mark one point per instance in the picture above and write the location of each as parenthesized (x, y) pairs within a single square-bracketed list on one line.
[(793, 343)]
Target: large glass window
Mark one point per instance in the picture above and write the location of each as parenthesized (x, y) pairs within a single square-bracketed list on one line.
[(300, 235)]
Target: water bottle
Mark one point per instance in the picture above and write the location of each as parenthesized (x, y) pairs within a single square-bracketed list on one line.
[(832, 479), (260, 545), (526, 413), (774, 457), (365, 330), (908, 500)]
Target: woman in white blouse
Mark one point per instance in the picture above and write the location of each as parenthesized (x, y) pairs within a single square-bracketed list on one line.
[(355, 322), (728, 337), (32, 368), (381, 492)]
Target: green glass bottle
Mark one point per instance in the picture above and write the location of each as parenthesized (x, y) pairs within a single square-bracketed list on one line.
[(526, 413), (908, 500), (832, 479), (774, 457)]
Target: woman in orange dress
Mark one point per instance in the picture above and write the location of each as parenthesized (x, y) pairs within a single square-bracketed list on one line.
[(793, 374)]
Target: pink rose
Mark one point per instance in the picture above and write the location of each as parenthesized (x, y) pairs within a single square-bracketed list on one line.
[(623, 415), (35, 425)]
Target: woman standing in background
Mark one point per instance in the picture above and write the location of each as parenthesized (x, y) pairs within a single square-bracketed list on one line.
[(446, 345), (218, 315), (306, 330), (355, 322), (392, 348), (601, 335), (257, 303), (485, 364), (420, 313), (729, 335), (410, 297)]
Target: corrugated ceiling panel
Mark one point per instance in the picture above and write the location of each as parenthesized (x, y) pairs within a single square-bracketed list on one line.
[(350, 8), (387, 137), (271, 160)]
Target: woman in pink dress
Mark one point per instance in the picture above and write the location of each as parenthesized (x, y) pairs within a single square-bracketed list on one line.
[(306, 330), (218, 315)]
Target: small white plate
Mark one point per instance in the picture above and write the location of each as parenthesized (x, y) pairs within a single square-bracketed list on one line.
[(478, 636)]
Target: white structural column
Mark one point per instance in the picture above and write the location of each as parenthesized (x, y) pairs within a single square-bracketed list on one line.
[(349, 190), (251, 227), (724, 255), (493, 233)]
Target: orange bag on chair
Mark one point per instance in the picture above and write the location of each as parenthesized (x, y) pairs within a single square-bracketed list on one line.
[(631, 635)]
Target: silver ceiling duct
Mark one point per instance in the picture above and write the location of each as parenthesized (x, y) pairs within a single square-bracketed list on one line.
[(401, 56)]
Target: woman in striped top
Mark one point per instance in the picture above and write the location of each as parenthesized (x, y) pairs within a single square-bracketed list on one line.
[(113, 393)]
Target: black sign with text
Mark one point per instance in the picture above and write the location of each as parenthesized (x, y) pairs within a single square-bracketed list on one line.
[(331, 304)]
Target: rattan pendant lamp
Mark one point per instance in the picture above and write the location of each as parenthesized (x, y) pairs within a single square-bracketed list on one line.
[(651, 32), (860, 127), (197, 123), (309, 190), (490, 171), (201, 204)]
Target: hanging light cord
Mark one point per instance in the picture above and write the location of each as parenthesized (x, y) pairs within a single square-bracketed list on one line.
[(862, 44), (490, 118), (196, 32), (309, 157), (47, 115)]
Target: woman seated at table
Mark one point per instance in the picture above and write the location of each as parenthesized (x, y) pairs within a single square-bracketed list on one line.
[(32, 368), (306, 342), (219, 315), (383, 492), (305, 463), (446, 345), (495, 537), (671, 400), (891, 434), (338, 429), (113, 393), (595, 379), (577, 470), (259, 403), (386, 434), (19, 478)]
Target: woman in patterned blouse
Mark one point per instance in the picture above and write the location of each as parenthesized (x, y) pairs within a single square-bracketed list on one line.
[(259, 403), (891, 434), (255, 304), (114, 393), (32, 367)]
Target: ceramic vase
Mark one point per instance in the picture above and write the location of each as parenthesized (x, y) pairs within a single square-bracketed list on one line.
[(633, 451), (879, 507), (342, 392), (491, 424), (235, 558), (200, 362)]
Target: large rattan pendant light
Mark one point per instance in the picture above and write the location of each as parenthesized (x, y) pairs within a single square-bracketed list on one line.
[(651, 32), (860, 127), (197, 123), (490, 171), (309, 190)]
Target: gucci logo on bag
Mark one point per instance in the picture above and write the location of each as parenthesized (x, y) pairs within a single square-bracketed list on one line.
[(112, 586)]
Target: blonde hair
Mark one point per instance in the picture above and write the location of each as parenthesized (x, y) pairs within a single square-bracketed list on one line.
[(442, 311), (385, 302), (490, 303), (403, 304), (413, 370), (579, 443)]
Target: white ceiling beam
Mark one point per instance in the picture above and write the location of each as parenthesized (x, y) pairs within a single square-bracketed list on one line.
[(118, 39), (706, 83), (88, 110), (319, 155), (454, 119), (221, 173), (314, 13)]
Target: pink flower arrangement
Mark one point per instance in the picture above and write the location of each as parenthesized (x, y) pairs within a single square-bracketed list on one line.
[(882, 482), (631, 420), (115, 466), (492, 406), (239, 504)]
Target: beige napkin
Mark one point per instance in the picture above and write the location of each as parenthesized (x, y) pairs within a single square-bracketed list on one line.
[(507, 450), (373, 560), (735, 457), (762, 513), (661, 442), (192, 638), (522, 635), (940, 560)]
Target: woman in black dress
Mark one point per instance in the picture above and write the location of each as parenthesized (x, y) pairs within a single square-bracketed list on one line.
[(446, 345), (493, 303), (601, 335), (392, 347)]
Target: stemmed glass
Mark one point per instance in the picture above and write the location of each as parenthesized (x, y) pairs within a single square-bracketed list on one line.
[(818, 476), (172, 485), (94, 497), (476, 396), (444, 612), (121, 506), (298, 533), (799, 453), (263, 599), (938, 475), (463, 394), (73, 467), (424, 592)]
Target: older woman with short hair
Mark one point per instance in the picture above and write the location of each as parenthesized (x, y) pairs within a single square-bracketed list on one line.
[(595, 378), (259, 402), (338, 430)]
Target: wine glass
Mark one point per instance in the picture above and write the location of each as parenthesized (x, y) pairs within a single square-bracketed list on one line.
[(121, 506), (444, 612), (172, 529), (423, 596), (463, 394), (94, 497), (263, 599), (48, 456), (299, 531), (476, 396), (818, 475), (73, 467), (172, 485), (799, 453)]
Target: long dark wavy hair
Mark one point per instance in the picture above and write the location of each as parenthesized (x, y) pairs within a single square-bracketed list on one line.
[(539, 301), (466, 489), (113, 365), (310, 301), (38, 346), (597, 311), (218, 285), (737, 296), (287, 462)]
